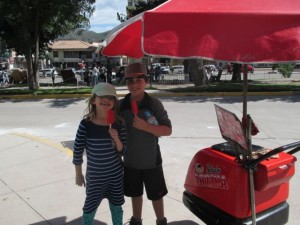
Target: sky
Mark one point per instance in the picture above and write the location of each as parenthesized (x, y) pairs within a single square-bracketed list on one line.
[(104, 17)]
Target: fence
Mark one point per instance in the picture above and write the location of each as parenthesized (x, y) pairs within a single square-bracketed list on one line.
[(173, 79)]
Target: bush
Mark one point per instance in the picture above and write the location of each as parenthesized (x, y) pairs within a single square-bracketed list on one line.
[(286, 70)]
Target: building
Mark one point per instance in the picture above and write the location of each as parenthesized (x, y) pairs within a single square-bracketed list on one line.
[(68, 53)]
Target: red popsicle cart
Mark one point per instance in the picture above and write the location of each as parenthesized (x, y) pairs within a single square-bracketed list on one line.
[(226, 182)]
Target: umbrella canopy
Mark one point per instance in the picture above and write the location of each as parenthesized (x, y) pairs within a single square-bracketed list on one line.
[(243, 31)]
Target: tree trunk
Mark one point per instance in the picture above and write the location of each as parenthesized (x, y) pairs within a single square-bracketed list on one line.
[(236, 72), (197, 72), (29, 70), (33, 64)]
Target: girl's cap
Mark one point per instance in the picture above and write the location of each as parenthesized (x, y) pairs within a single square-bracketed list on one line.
[(103, 89)]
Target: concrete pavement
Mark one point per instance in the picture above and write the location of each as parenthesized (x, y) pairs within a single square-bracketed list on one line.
[(37, 185)]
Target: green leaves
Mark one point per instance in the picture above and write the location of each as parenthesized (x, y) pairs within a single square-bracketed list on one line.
[(286, 70)]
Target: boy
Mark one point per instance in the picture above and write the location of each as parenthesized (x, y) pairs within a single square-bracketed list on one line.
[(143, 162)]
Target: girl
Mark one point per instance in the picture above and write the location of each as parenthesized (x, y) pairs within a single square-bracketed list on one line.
[(103, 143)]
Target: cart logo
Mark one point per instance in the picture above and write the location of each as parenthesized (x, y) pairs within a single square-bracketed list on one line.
[(212, 169), (210, 177), (199, 168)]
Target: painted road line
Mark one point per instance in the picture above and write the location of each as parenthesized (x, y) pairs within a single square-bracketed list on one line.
[(55, 145)]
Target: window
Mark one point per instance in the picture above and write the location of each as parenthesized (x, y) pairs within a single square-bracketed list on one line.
[(71, 54)]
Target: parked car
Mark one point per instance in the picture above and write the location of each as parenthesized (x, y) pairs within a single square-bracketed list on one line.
[(177, 69), (156, 65), (165, 70), (250, 69), (210, 68), (47, 72)]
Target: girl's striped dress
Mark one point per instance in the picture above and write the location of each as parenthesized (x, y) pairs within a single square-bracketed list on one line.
[(104, 174)]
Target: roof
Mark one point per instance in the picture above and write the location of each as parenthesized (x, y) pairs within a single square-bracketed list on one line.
[(72, 44)]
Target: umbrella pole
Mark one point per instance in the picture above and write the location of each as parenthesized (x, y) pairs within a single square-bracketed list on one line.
[(245, 90), (251, 169), (249, 138)]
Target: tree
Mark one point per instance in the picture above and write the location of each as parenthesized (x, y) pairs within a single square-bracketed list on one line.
[(195, 66), (197, 72), (142, 6), (29, 26), (236, 72), (286, 70)]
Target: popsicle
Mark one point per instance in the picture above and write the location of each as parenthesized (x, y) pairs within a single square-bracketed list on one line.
[(110, 117), (134, 107)]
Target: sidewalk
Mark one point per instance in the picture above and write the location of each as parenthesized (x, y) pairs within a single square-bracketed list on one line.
[(37, 177), (37, 187)]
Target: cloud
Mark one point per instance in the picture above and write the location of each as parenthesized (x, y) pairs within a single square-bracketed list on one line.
[(105, 16)]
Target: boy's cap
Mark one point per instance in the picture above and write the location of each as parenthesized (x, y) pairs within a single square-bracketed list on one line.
[(103, 89), (135, 69)]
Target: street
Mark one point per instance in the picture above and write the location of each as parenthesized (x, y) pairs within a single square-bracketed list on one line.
[(260, 74), (194, 127)]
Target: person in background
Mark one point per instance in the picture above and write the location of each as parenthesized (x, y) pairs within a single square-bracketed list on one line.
[(53, 74), (143, 162), (95, 75), (103, 143), (120, 74), (102, 74), (157, 72), (87, 76), (109, 73)]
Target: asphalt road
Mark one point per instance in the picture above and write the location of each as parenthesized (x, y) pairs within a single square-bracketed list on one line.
[(194, 127)]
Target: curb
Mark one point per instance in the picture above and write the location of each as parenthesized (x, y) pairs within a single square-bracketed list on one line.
[(224, 94)]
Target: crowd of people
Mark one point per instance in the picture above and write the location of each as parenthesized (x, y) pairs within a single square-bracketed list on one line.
[(98, 73)]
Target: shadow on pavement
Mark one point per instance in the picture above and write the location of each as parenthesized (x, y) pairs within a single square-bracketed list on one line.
[(183, 222), (68, 144), (231, 99), (62, 221)]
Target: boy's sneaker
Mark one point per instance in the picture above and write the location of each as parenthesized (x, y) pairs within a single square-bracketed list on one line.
[(162, 222), (134, 221)]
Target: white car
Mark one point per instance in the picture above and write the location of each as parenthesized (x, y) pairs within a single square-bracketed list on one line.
[(210, 68), (47, 72), (177, 69), (165, 70)]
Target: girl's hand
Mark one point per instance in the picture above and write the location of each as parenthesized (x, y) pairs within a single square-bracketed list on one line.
[(115, 137), (113, 133), (79, 179)]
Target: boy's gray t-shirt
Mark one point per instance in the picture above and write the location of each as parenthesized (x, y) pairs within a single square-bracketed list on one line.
[(143, 148)]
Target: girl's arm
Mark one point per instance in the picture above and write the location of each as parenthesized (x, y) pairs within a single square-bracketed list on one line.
[(120, 138), (79, 146), (79, 178), (115, 136)]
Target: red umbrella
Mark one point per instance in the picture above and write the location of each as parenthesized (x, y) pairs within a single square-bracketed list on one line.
[(241, 31)]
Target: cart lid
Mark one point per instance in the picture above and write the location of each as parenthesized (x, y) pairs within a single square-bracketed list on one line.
[(232, 131)]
